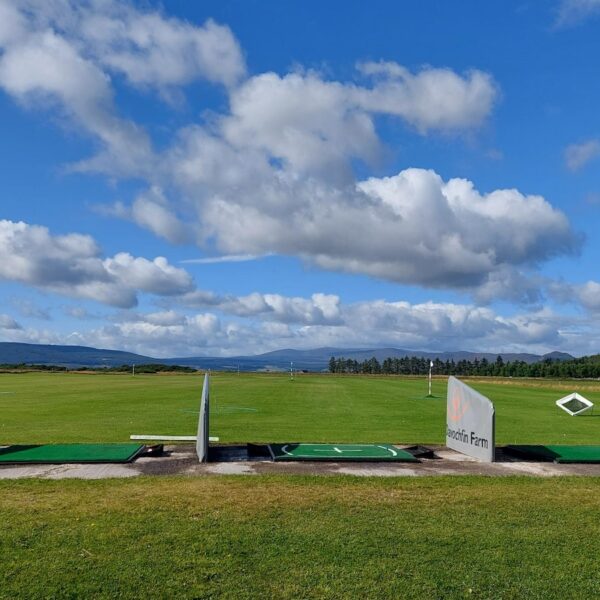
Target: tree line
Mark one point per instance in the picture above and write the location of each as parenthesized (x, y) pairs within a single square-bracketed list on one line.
[(585, 367)]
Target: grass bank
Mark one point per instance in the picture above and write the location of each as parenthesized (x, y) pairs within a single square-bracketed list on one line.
[(300, 537)]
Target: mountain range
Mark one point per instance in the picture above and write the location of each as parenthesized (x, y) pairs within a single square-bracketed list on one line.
[(310, 360)]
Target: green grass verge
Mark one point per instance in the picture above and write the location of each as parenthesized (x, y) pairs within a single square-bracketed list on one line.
[(300, 537), (61, 408)]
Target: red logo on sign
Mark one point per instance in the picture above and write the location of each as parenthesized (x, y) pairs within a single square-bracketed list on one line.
[(457, 409)]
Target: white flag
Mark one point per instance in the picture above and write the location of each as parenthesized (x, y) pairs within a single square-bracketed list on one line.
[(431, 364)]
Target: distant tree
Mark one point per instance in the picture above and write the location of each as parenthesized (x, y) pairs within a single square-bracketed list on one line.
[(332, 364)]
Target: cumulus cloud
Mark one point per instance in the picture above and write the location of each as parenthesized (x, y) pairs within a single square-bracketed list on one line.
[(412, 228), (72, 265), (444, 325), (277, 172), (64, 53), (323, 320), (162, 334), (150, 49), (153, 276), (511, 285), (314, 124), (144, 45), (42, 68), (319, 309), (586, 294), (426, 326), (578, 156), (230, 325), (432, 98), (310, 123), (150, 210)]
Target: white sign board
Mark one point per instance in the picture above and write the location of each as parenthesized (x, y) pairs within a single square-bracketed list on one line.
[(470, 421)]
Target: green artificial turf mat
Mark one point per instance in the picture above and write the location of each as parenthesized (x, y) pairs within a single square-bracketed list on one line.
[(70, 453), (340, 452), (556, 453)]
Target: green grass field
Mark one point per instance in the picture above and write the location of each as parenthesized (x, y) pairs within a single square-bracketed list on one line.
[(56, 407), (290, 536), (301, 537)]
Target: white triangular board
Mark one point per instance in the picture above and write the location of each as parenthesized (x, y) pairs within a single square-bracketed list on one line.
[(574, 396), (202, 438)]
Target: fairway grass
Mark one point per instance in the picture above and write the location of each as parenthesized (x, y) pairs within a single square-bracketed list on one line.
[(300, 537), (251, 407)]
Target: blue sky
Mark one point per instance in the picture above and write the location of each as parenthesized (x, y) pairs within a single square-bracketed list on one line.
[(236, 177)]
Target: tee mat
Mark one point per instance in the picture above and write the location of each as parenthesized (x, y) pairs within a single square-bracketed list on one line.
[(340, 452), (557, 453), (70, 453)]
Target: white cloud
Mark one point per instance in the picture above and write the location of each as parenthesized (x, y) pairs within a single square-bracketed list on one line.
[(310, 123), (571, 12), (146, 46), (150, 210), (511, 285), (63, 53), (7, 322), (319, 309), (153, 276), (314, 125), (276, 174), (153, 50), (30, 309), (412, 228), (449, 326), (166, 318), (72, 265), (578, 156), (263, 322), (79, 312), (160, 335), (44, 69), (12, 24), (433, 326), (234, 258), (589, 295), (586, 294), (323, 320), (430, 99)]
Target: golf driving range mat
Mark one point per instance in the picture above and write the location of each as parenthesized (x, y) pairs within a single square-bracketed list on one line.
[(340, 452), (70, 453), (556, 453)]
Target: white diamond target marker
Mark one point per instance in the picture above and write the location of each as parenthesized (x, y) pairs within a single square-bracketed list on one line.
[(575, 404)]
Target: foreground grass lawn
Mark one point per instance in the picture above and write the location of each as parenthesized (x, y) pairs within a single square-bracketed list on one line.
[(56, 407), (293, 537)]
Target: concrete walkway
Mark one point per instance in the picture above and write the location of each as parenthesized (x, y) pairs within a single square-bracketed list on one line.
[(182, 460)]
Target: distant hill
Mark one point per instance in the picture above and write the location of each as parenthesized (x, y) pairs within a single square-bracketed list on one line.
[(310, 360), (67, 356), (557, 356)]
